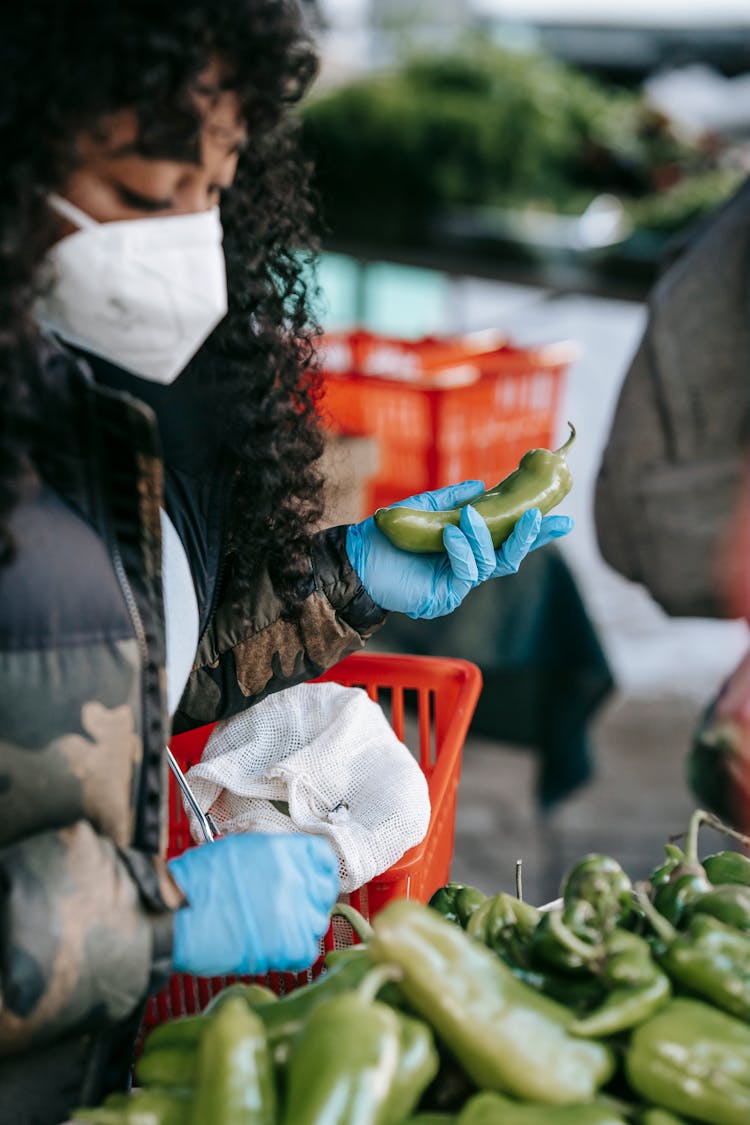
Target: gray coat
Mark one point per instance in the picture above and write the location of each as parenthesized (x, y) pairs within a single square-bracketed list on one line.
[(671, 471)]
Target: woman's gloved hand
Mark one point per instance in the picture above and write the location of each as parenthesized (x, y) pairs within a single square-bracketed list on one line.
[(255, 902), (433, 585)]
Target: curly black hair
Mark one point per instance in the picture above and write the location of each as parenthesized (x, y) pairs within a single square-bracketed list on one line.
[(64, 65)]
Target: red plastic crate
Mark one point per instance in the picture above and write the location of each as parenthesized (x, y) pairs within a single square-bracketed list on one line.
[(442, 410), (445, 692)]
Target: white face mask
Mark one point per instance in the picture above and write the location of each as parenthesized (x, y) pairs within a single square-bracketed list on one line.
[(142, 293)]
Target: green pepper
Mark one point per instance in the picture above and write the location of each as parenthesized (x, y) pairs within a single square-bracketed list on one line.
[(168, 1067), (184, 1032), (687, 881), (713, 960), (662, 874), (599, 881), (541, 481), (638, 987), (431, 1119), (235, 1080), (282, 1019), (553, 945), (580, 994), (505, 924), (457, 902), (729, 903), (506, 1036), (693, 1060), (728, 867), (656, 1116), (358, 1060), (141, 1107), (492, 1109), (256, 995)]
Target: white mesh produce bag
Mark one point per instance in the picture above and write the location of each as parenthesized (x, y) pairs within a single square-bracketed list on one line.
[(317, 758)]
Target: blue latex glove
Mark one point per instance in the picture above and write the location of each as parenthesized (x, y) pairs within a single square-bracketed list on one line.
[(255, 902), (432, 585)]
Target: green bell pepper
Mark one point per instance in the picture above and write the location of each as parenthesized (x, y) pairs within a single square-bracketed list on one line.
[(492, 1109), (693, 1060), (506, 1036), (235, 1081), (358, 1060)]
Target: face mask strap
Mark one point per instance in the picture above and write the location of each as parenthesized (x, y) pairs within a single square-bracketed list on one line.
[(69, 210)]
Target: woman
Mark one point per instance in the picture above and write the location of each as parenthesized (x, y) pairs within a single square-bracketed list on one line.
[(157, 491)]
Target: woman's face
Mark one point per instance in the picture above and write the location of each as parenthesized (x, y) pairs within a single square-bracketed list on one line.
[(114, 181)]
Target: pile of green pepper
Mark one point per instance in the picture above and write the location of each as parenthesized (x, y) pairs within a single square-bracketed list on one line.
[(619, 1005)]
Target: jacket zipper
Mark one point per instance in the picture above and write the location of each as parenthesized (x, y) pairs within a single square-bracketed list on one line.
[(127, 593)]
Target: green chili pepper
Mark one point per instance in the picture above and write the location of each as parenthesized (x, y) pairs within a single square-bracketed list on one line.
[(457, 902), (662, 874), (599, 881), (687, 881), (184, 1032), (554, 945), (656, 1116), (492, 1109), (506, 1036), (693, 1060), (729, 903), (431, 1119), (141, 1107), (168, 1067), (358, 1060), (541, 481), (624, 1008), (505, 924), (713, 960), (256, 995), (638, 987), (235, 1081), (728, 867), (580, 994)]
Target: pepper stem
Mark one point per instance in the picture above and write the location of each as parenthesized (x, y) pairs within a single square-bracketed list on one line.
[(564, 448), (375, 979), (570, 941), (661, 925), (519, 880), (714, 822), (691, 843), (357, 921)]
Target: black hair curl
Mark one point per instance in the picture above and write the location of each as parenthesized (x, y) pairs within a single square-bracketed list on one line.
[(65, 65)]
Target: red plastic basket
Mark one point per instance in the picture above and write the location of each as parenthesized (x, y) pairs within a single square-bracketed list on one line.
[(445, 693), (442, 410)]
